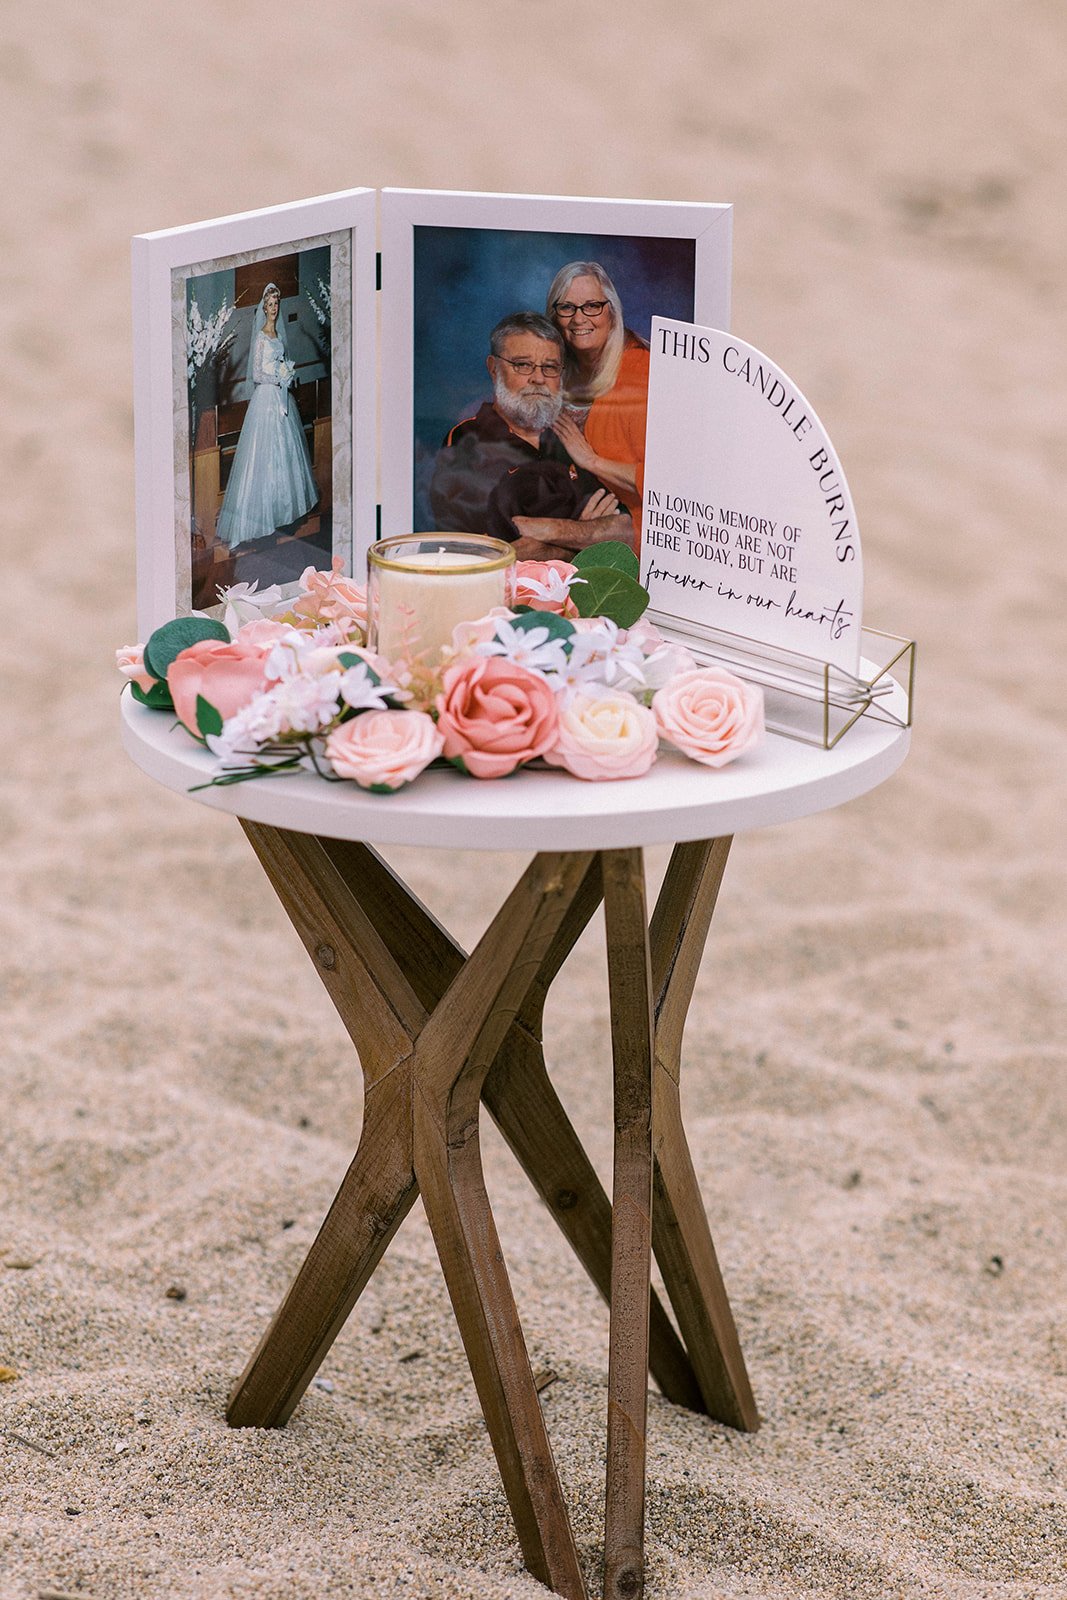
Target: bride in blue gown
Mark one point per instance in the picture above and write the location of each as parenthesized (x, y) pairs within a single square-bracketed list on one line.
[(271, 483)]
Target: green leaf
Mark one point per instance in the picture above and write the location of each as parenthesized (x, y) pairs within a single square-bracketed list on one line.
[(208, 718), (558, 627), (157, 697), (350, 660), (174, 637), (609, 553), (607, 592), (223, 780)]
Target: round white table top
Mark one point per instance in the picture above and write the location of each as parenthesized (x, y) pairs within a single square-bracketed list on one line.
[(678, 800)]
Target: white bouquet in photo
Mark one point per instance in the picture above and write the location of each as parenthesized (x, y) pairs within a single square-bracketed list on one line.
[(206, 338)]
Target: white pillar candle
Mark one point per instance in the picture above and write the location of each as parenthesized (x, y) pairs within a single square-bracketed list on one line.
[(425, 587)]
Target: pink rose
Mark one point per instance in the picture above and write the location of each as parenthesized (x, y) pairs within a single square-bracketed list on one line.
[(262, 632), (227, 674), (542, 585), (495, 715), (710, 715), (129, 658), (384, 749), (605, 736)]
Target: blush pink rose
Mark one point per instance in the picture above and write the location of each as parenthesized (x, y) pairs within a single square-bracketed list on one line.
[(709, 715), (384, 749), (495, 715), (227, 674), (262, 633), (605, 736), (129, 658), (542, 585)]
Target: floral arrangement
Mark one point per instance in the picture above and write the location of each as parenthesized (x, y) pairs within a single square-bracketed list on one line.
[(279, 686), (206, 338), (322, 304)]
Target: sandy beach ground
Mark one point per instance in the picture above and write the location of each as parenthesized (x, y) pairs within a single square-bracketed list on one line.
[(873, 1081)]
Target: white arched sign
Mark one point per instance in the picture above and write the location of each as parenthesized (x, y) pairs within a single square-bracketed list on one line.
[(747, 517)]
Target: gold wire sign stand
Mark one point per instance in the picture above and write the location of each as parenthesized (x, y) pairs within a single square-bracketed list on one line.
[(813, 701)]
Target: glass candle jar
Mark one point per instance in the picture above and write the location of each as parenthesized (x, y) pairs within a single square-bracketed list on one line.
[(421, 585)]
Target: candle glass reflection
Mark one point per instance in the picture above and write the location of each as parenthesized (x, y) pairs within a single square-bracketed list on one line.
[(420, 586)]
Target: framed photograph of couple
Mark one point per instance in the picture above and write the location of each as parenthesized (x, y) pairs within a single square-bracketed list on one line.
[(254, 400), (515, 356)]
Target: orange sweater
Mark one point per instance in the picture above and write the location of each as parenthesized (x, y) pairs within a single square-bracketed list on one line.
[(615, 426)]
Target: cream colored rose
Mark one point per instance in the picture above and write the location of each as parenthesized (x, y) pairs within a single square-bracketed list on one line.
[(129, 658), (709, 715), (606, 735)]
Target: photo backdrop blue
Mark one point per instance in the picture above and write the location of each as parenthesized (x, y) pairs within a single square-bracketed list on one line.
[(467, 279)]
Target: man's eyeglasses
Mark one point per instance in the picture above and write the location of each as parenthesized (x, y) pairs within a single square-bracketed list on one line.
[(547, 369), (567, 308)]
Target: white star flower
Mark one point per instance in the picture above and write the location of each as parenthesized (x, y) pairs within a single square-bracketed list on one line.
[(532, 648), (246, 602), (359, 691), (612, 662)]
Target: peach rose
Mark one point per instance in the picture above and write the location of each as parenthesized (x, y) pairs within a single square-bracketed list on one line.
[(605, 736), (495, 715), (384, 749), (710, 715), (129, 658), (542, 585), (332, 597), (227, 674)]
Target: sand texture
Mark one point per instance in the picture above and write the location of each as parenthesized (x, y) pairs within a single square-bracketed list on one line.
[(873, 1075)]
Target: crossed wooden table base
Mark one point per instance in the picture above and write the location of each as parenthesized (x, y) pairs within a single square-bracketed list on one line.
[(438, 1033)]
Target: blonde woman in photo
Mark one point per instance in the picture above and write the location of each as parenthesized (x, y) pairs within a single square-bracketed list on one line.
[(605, 381)]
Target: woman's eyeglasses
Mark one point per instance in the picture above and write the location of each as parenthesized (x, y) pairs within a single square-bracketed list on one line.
[(567, 308), (547, 369)]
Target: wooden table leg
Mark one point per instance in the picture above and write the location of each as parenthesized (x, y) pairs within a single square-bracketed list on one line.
[(423, 1084), (632, 1046), (680, 1233), (383, 1017), (518, 1093), (436, 1031), (453, 1056)]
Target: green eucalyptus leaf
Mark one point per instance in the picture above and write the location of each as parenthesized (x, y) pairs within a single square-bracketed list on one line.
[(348, 659), (157, 697), (174, 637), (208, 718), (558, 627), (607, 592), (608, 553)]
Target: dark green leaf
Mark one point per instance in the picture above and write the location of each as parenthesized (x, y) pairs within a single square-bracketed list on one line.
[(609, 553), (246, 774), (558, 627), (157, 697), (174, 637), (208, 718), (350, 660), (609, 593)]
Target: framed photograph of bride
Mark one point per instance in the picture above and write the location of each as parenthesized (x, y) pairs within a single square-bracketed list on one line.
[(515, 356), (254, 400)]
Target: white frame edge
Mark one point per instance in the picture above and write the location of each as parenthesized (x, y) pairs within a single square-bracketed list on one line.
[(154, 258), (710, 224)]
